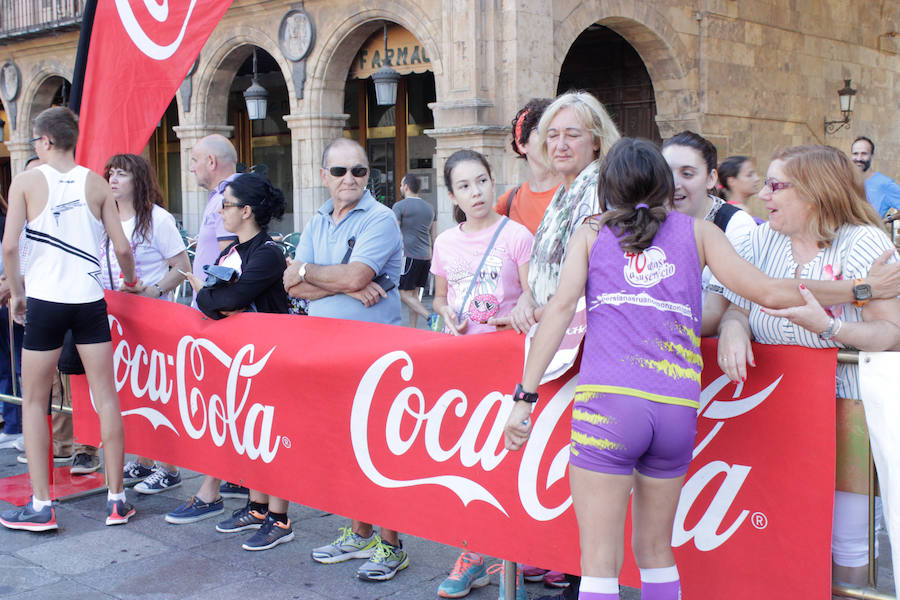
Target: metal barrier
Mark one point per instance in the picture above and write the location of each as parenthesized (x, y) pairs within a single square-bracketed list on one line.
[(869, 592)]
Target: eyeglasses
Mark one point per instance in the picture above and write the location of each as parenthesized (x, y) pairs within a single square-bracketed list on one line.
[(776, 185), (33, 140), (357, 171), (227, 204)]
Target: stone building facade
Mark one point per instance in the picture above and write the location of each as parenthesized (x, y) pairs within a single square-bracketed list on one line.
[(751, 75)]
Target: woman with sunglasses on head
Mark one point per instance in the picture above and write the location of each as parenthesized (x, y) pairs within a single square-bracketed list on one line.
[(159, 258), (820, 227), (250, 203)]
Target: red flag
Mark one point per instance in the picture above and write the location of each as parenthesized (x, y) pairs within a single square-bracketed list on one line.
[(140, 51)]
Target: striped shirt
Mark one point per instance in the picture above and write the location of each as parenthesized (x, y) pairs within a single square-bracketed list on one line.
[(849, 256)]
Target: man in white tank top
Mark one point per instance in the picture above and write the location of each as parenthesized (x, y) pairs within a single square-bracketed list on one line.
[(66, 208)]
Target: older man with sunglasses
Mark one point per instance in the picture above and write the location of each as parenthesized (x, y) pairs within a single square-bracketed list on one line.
[(347, 265)]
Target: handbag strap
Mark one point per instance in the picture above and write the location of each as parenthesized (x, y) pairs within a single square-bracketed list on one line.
[(109, 266), (477, 274)]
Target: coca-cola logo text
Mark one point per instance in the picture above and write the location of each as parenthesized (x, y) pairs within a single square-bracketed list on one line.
[(708, 533), (156, 375)]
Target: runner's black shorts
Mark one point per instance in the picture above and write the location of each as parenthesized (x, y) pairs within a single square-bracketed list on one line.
[(415, 274), (46, 324)]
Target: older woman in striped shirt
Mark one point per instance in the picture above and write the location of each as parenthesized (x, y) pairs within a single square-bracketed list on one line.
[(820, 227)]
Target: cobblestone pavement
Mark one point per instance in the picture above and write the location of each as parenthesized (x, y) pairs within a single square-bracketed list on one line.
[(151, 559)]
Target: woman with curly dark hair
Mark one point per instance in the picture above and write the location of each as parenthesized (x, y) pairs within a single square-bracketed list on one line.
[(159, 254), (526, 203), (155, 240), (250, 202)]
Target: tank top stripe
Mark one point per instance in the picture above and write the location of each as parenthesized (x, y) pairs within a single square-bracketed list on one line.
[(38, 236)]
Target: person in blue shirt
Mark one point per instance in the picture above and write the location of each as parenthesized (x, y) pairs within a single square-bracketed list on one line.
[(881, 191), (346, 266)]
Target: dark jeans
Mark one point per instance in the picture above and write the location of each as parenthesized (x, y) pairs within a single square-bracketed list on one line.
[(12, 413)]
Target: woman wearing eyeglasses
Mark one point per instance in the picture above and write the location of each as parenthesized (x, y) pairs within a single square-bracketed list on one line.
[(250, 203), (159, 259), (820, 227)]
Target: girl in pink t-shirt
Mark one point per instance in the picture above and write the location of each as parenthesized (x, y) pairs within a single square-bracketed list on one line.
[(480, 269), (480, 266)]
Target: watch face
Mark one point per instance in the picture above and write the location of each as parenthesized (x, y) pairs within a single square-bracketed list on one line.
[(862, 291)]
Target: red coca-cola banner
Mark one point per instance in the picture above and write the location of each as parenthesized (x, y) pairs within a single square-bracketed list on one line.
[(411, 421), (139, 54)]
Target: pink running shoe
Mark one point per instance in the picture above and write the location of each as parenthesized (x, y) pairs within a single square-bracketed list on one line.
[(533, 574), (556, 579)]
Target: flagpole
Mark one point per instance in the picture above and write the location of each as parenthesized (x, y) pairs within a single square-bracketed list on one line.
[(84, 42)]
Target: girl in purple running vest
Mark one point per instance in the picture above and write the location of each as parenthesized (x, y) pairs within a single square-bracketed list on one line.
[(635, 408)]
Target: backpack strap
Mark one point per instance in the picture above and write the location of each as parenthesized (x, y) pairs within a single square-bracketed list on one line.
[(510, 198), (724, 214)]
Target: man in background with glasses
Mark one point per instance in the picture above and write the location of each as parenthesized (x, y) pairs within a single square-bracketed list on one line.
[(347, 264)]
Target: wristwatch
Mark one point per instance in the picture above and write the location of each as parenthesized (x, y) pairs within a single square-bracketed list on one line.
[(862, 293), (302, 272), (521, 394)]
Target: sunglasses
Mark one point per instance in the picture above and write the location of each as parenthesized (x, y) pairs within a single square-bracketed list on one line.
[(776, 185), (357, 171), (227, 204)]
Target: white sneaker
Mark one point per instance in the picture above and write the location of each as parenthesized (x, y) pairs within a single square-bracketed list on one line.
[(19, 444), (159, 481), (9, 440), (57, 460)]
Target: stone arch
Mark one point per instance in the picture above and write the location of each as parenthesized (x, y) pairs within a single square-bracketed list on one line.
[(37, 94), (672, 66), (331, 60), (212, 81)]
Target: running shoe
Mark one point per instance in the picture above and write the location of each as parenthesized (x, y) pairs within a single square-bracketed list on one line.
[(348, 545), (241, 520), (9, 440), (159, 481), (57, 460), (135, 472), (533, 574), (233, 490), (118, 512), (28, 519), (270, 534), (84, 463), (468, 572), (195, 510), (555, 579), (386, 561)]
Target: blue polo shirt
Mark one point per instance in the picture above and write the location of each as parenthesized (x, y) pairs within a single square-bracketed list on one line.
[(883, 193), (379, 244)]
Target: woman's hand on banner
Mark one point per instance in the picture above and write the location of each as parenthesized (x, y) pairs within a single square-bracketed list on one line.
[(518, 426)]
